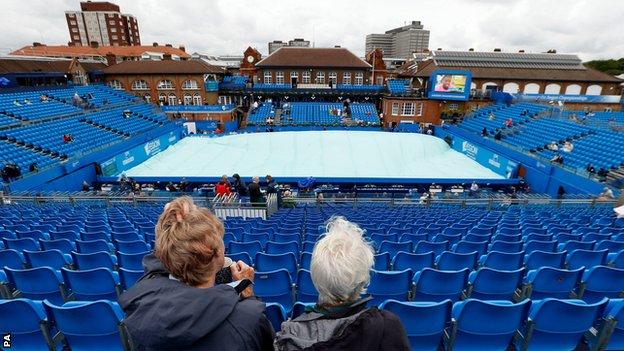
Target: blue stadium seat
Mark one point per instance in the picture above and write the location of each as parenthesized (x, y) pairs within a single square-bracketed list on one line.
[(306, 292), (558, 324), (38, 283), (276, 314), (54, 259), (602, 281), (382, 261), (251, 248), (241, 256), (413, 261), (486, 325), (94, 260), (614, 315), (131, 247), (11, 258), (128, 277), (551, 282), (92, 246), (471, 246), (21, 244), (306, 260), (93, 284), (277, 248), (452, 261), (538, 259), (427, 246), (491, 284), (300, 308), (502, 260), (394, 247), (274, 286), (436, 285), (424, 322), (28, 325), (63, 245), (133, 261), (267, 262), (586, 258), (90, 325), (386, 285)]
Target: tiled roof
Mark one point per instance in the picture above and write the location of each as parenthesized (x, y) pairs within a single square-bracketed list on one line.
[(79, 51), (313, 58), (163, 67)]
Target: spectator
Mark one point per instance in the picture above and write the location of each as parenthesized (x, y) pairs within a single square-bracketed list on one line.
[(590, 169), (184, 185), (255, 194), (340, 269), (508, 122), (239, 185), (606, 194), (218, 131), (561, 192), (602, 174), (43, 98), (619, 206), (171, 187), (491, 116), (272, 186), (568, 146), (27, 102), (498, 135), (16, 103), (85, 186), (484, 132), (474, 188), (553, 146), (180, 302), (223, 187), (33, 167), (557, 159)]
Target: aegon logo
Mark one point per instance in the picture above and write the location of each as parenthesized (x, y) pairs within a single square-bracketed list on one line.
[(152, 147), (469, 149)]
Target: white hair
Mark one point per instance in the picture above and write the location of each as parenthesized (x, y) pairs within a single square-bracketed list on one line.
[(255, 179), (341, 263)]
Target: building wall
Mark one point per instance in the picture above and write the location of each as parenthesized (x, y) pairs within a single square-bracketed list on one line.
[(607, 88), (106, 27), (313, 75), (425, 111), (406, 42), (177, 91)]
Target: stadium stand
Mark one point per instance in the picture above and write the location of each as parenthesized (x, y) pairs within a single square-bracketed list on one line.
[(398, 86), (577, 291), (322, 113), (260, 115)]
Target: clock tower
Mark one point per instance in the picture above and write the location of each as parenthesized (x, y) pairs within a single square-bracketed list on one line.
[(248, 68)]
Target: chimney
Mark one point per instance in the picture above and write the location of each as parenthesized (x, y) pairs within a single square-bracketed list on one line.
[(169, 45), (337, 46), (111, 59), (94, 44), (35, 44), (521, 51), (154, 44), (551, 51), (439, 49), (471, 49), (182, 48), (166, 57), (497, 50)]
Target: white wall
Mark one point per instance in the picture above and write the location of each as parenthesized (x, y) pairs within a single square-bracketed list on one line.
[(511, 88), (552, 88), (573, 89), (531, 88), (594, 90)]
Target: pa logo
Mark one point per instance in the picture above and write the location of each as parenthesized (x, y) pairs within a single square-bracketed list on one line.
[(6, 341)]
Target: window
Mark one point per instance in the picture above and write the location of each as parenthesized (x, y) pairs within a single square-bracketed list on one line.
[(165, 84), (279, 77), (114, 37), (267, 78), (139, 85), (320, 77), (306, 77), (395, 108), (76, 37), (333, 77), (113, 29), (172, 99), (419, 109), (408, 109), (115, 84), (190, 85), (162, 98), (111, 22), (359, 78), (294, 75), (197, 99), (225, 100), (188, 99), (147, 98), (453, 107), (346, 78), (72, 22), (74, 30), (380, 80)]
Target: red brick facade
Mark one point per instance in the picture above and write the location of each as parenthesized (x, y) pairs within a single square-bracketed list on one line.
[(171, 96)]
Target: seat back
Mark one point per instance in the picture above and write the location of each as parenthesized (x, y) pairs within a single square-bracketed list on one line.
[(266, 262), (251, 248), (452, 261), (128, 277), (274, 286), (394, 247), (553, 282), (48, 258), (385, 285), (602, 281), (278, 248), (503, 260), (306, 292), (133, 261), (415, 262), (24, 323), (11, 258), (276, 314), (538, 259), (92, 284), (37, 283), (93, 260), (437, 285), (492, 284), (424, 322), (586, 258)]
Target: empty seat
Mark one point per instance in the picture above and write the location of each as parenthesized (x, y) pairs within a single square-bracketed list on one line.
[(427, 246), (382, 261), (492, 284), (306, 292), (267, 262), (306, 260), (241, 256), (538, 259), (508, 261), (614, 314), (90, 325), (54, 259), (586, 258), (278, 248), (487, 325), (276, 314), (506, 246), (394, 247), (92, 246), (11, 258), (274, 286), (37, 283), (128, 277), (471, 246), (63, 245), (27, 324), (436, 285), (424, 322), (131, 247), (551, 282), (133, 261), (602, 281), (94, 260), (93, 284), (535, 245), (452, 261), (251, 248), (572, 245), (386, 285), (413, 261), (21, 244), (558, 324)]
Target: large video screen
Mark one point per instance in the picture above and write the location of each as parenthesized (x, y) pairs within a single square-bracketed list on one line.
[(450, 85)]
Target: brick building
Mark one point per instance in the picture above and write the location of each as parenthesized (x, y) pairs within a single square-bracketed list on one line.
[(291, 65), (99, 53), (102, 23), (168, 82), (36, 71)]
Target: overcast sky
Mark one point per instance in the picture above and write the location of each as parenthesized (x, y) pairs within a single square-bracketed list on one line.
[(590, 28)]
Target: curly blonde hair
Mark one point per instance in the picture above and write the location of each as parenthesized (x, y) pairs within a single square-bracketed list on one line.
[(188, 240)]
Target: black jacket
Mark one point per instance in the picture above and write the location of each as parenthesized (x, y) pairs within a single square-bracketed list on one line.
[(166, 314), (255, 195)]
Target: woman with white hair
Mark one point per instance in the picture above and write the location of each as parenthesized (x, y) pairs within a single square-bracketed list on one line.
[(340, 269)]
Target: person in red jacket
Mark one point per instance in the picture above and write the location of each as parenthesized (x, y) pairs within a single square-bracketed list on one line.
[(223, 187)]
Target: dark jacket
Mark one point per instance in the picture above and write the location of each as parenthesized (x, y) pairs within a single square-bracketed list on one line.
[(352, 328), (255, 195), (239, 185), (166, 314)]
